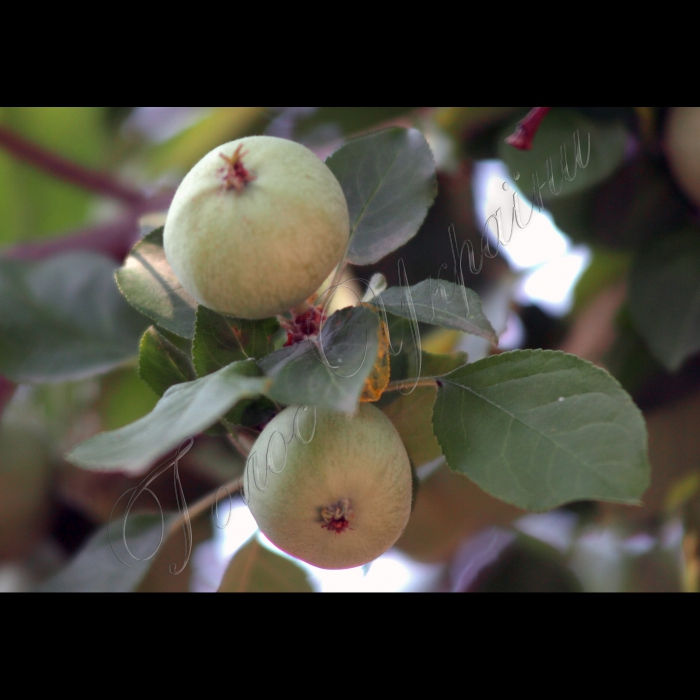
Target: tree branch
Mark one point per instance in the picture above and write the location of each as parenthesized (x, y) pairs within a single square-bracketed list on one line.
[(207, 503), (114, 239), (64, 169), (7, 389), (402, 383)]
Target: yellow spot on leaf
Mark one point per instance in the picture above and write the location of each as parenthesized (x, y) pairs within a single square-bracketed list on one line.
[(378, 380)]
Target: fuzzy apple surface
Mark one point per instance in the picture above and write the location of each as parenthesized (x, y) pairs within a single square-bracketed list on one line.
[(682, 146), (330, 489), (256, 226)]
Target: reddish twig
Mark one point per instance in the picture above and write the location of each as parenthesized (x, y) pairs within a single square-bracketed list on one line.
[(7, 389), (114, 239), (527, 129), (86, 178)]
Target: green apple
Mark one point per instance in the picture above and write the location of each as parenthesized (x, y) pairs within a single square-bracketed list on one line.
[(256, 226), (330, 489), (682, 146)]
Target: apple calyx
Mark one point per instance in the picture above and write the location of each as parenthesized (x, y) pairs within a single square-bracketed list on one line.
[(303, 326), (337, 518), (234, 174)]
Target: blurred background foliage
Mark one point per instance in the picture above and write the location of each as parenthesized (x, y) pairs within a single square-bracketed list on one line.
[(638, 286)]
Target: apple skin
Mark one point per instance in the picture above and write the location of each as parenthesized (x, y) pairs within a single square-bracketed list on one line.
[(682, 147), (330, 458), (257, 250)]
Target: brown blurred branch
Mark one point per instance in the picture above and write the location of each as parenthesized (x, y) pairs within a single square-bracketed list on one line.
[(114, 239), (7, 389), (86, 178)]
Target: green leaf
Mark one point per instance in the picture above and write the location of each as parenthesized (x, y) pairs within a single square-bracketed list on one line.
[(441, 304), (149, 284), (350, 342), (412, 417), (538, 429), (608, 144), (404, 357), (63, 319), (438, 365), (161, 364), (184, 411), (664, 297), (638, 202), (124, 398), (220, 340), (255, 569), (389, 182), (405, 365), (104, 565)]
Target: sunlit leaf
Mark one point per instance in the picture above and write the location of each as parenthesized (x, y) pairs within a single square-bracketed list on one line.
[(150, 285), (389, 182), (184, 411), (441, 304), (161, 363), (540, 428)]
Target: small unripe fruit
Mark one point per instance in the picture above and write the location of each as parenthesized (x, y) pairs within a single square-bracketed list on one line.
[(330, 489), (682, 146), (256, 226)]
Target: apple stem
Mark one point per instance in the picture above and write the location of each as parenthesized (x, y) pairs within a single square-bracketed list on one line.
[(527, 129)]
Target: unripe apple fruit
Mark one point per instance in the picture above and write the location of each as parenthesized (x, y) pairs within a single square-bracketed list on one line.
[(330, 489), (682, 146), (256, 226)]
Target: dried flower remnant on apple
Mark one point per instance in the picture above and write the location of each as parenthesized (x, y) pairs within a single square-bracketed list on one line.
[(234, 174)]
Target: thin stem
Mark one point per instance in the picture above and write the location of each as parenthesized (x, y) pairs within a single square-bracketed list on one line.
[(400, 384), (7, 389), (527, 129), (64, 169), (340, 271), (114, 239), (201, 506), (243, 450)]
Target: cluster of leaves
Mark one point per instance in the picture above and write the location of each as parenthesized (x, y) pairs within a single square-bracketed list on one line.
[(625, 200), (533, 428), (536, 429)]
